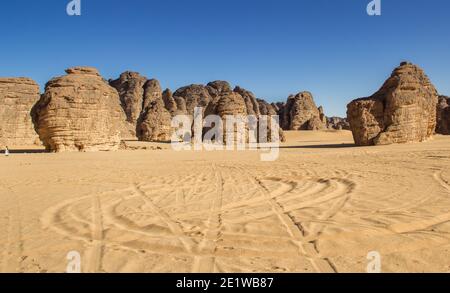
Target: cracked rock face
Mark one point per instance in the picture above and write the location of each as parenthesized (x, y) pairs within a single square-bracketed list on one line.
[(402, 111), (17, 97), (79, 112)]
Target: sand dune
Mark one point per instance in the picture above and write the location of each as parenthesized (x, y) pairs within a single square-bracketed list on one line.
[(322, 207)]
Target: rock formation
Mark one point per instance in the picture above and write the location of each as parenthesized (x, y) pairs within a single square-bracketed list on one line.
[(322, 116), (338, 123), (403, 110), (130, 86), (266, 108), (17, 97), (169, 102), (443, 116), (217, 88), (155, 121), (79, 112), (192, 96), (251, 103), (301, 113)]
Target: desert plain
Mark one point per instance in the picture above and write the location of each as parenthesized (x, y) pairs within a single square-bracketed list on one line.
[(323, 206)]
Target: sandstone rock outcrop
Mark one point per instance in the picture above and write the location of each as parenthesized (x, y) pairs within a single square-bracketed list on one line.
[(192, 96), (301, 113), (403, 110), (155, 121), (169, 102), (251, 103), (443, 116), (338, 123), (229, 104), (217, 88), (130, 86), (79, 112), (17, 97), (322, 116), (266, 108)]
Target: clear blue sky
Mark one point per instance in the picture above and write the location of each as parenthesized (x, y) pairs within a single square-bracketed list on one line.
[(273, 48)]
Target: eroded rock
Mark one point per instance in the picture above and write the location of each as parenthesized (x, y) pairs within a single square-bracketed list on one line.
[(17, 98), (79, 112), (403, 110)]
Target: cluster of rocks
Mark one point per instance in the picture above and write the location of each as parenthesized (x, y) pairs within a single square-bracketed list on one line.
[(403, 110), (301, 113), (83, 112)]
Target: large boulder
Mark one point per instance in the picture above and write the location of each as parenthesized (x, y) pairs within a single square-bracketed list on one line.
[(403, 110), (17, 97), (79, 112), (301, 113), (130, 86), (443, 116)]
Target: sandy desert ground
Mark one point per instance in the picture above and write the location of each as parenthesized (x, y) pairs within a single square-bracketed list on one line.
[(321, 207)]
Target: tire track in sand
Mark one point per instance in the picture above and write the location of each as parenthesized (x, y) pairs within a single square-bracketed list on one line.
[(206, 264), (94, 254), (425, 223), (12, 252), (296, 231)]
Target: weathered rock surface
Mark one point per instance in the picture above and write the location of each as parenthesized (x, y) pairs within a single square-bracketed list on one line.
[(322, 116), (301, 113), (79, 112), (169, 102), (251, 103), (152, 92), (266, 108), (217, 88), (338, 123), (229, 104), (193, 96), (403, 110), (17, 97), (155, 121), (130, 86), (443, 116)]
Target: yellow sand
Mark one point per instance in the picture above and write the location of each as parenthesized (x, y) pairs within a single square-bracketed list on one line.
[(321, 207)]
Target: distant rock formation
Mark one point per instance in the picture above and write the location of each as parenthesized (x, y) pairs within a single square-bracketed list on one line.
[(301, 113), (403, 110), (266, 108), (79, 112), (443, 116), (218, 98), (155, 121), (17, 97), (338, 123)]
